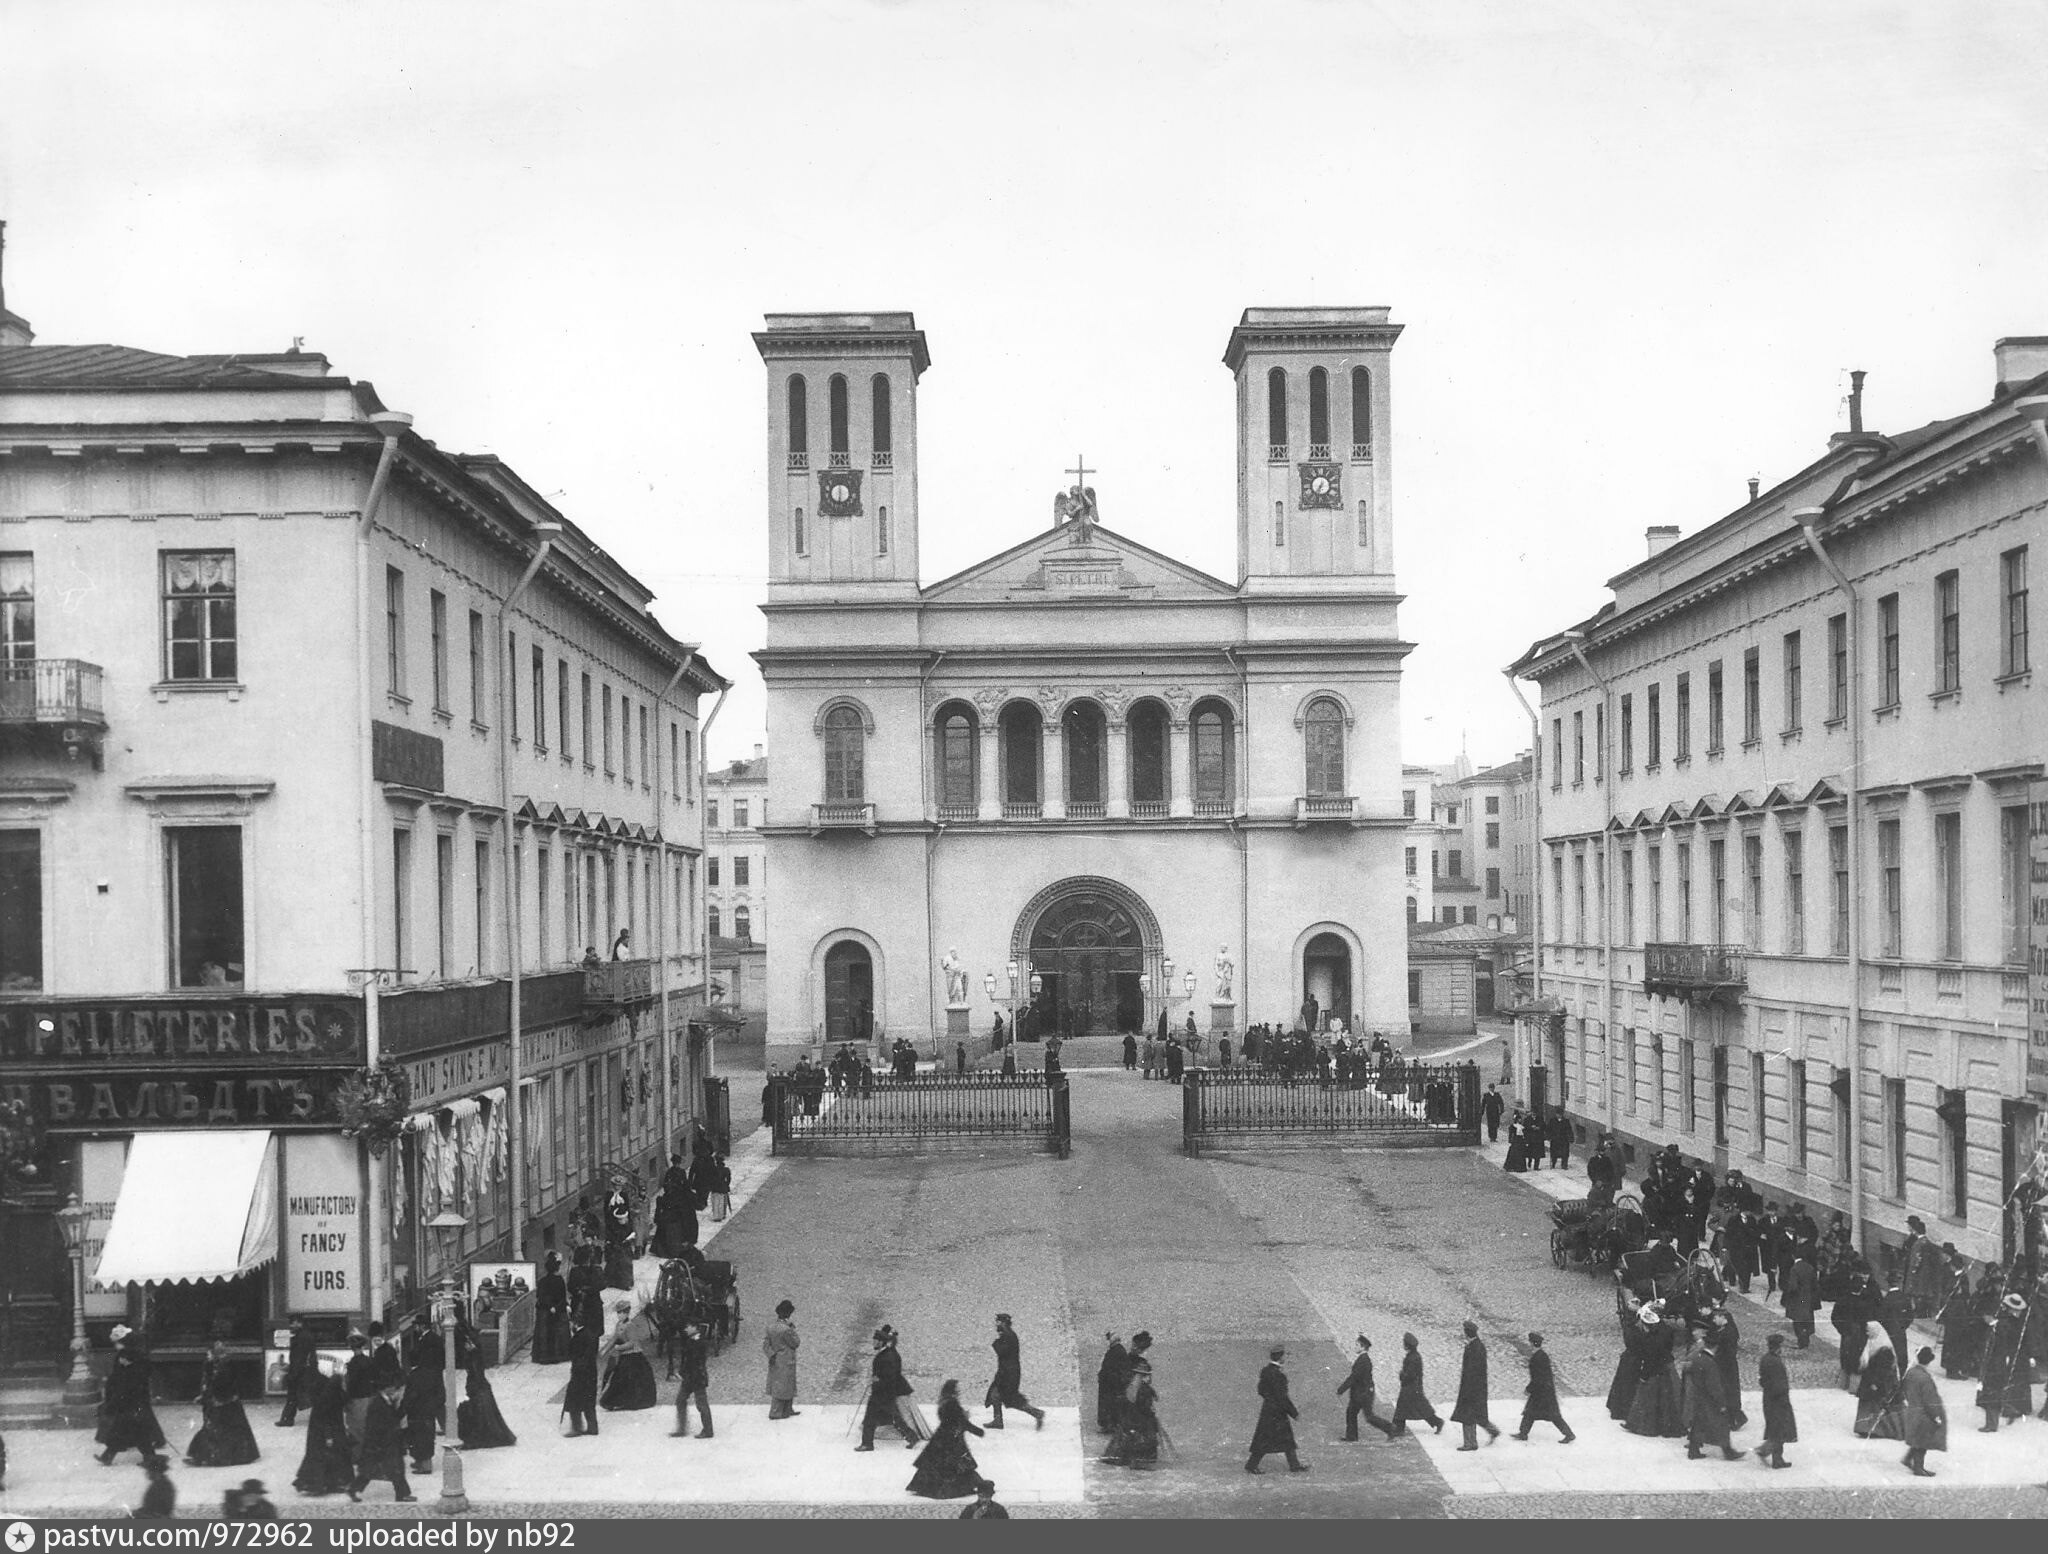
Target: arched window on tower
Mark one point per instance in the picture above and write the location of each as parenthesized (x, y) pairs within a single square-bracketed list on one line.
[(1318, 413), (959, 792), (1322, 734), (742, 924), (1211, 750), (1276, 415), (836, 411), (1361, 413), (884, 449), (845, 756), (799, 422)]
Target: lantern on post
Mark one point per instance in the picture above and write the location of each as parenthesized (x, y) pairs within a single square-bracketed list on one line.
[(79, 1391)]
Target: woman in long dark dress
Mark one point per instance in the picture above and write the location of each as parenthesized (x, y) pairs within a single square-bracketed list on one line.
[(628, 1374), (946, 1469), (1135, 1443), (329, 1463), (224, 1439), (1880, 1396), (551, 1315), (478, 1420), (426, 1395), (1622, 1391), (1657, 1409), (1411, 1402), (126, 1416)]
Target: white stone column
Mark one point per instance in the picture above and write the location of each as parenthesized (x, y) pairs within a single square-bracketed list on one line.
[(1180, 786), (1118, 795), (1054, 786), (989, 773)]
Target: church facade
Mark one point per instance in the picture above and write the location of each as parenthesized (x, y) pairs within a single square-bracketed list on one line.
[(1081, 778)]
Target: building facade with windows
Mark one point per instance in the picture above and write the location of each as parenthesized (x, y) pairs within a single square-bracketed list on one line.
[(735, 854), (1785, 830), (1081, 759), (325, 756)]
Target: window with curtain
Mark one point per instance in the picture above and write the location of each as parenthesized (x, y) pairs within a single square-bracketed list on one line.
[(1211, 750), (957, 787), (1323, 745)]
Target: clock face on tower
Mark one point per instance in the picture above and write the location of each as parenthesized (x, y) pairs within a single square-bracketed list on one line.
[(1321, 485), (839, 493)]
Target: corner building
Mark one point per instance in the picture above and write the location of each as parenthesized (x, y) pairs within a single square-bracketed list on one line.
[(1785, 852), (1080, 757)]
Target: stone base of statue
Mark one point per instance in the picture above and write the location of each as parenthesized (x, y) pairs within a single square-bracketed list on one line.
[(956, 1020), (1222, 1014)]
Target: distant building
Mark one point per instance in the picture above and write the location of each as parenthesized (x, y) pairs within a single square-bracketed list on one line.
[(1786, 830), (735, 852)]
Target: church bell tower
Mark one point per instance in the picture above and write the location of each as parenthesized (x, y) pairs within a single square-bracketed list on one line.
[(842, 453), (1314, 486)]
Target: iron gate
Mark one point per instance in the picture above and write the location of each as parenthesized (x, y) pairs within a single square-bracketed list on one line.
[(910, 1116), (1400, 1104)]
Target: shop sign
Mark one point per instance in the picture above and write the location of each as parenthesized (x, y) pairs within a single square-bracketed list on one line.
[(2037, 944), (558, 1044), (201, 1029), (449, 1076), (323, 1224), (124, 1102), (101, 1165)]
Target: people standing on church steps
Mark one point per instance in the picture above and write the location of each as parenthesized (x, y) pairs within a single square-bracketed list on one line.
[(1277, 1413), (1359, 1385), (1008, 1386), (1542, 1394), (1470, 1409)]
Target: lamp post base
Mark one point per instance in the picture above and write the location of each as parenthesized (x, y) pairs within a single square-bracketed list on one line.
[(80, 1403)]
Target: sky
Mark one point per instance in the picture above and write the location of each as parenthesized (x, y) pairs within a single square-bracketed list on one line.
[(1636, 247)]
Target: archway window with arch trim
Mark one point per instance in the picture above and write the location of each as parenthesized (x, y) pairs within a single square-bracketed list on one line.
[(1276, 414), (1020, 730), (845, 756), (1150, 791), (1361, 413), (742, 923), (1212, 741), (836, 414), (1318, 413), (883, 447), (958, 747), (799, 422), (711, 921), (1322, 737)]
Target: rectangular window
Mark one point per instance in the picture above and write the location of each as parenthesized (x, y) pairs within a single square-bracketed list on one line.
[(1717, 884), (1838, 874), (444, 904), (540, 700), (584, 726), (1752, 697), (1685, 892), (1408, 804), (17, 607), (483, 906), (511, 673), (1753, 892), (646, 769), (199, 615), (1579, 897), (1279, 524), (394, 631), (1795, 893), (1888, 651), (881, 531), (401, 894), (1717, 707), (711, 921), (1895, 1139), (1795, 679), (1954, 1111), (1493, 835), (562, 705), (739, 814), (1795, 1104), (1948, 640), (1838, 668), (2012, 568), (476, 668), (1556, 754), (1681, 714), (1653, 727), (711, 814), (203, 900), (437, 638), (1578, 748), (1628, 895), (1629, 1071), (1720, 1061), (1838, 1094), (2013, 883), (740, 870), (1409, 853), (1600, 742), (1457, 870), (689, 765), (1688, 1085), (608, 769), (1758, 1128), (1628, 735), (21, 911), (1493, 884), (1556, 898), (711, 872), (1948, 880), (625, 737), (799, 534), (1653, 862), (1888, 888), (1493, 805)]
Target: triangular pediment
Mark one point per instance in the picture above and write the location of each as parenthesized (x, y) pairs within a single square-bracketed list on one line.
[(1060, 564)]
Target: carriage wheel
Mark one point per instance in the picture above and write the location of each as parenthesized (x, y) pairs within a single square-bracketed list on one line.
[(1628, 1200), (1560, 1248)]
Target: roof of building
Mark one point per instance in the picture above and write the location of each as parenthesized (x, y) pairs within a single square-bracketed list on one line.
[(755, 770), (1516, 770), (124, 366)]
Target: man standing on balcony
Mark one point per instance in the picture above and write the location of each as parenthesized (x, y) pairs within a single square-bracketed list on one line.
[(622, 944)]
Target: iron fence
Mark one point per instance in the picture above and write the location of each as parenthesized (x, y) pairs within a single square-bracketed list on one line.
[(1400, 1104), (910, 1115)]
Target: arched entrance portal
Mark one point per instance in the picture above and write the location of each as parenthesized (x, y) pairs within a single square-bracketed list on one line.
[(849, 992), (1326, 977), (1089, 941)]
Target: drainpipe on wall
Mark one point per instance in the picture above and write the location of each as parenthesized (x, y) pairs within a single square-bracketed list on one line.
[(668, 1091), (931, 846), (1243, 837), (391, 425), (703, 772), (1808, 519), (1535, 851), (548, 530), (1606, 774)]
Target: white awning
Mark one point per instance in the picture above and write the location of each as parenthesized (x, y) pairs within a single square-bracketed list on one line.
[(200, 1205)]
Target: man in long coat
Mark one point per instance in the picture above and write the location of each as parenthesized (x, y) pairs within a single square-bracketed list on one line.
[(1110, 1378), (1706, 1406), (886, 1386), (302, 1364), (1780, 1424), (1802, 1297), (1470, 1409), (1359, 1385), (580, 1401), (1926, 1419), (1008, 1386), (693, 1382), (1726, 1341), (2007, 1391), (1542, 1393), (1277, 1413), (1490, 1107), (780, 1344), (383, 1450)]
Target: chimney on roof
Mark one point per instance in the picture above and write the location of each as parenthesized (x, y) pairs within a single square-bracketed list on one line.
[(757, 752), (1661, 537), (2019, 358), (1856, 402), (1754, 482), (14, 328)]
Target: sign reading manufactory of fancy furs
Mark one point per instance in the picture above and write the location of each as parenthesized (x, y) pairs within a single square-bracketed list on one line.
[(2037, 945), (323, 1223)]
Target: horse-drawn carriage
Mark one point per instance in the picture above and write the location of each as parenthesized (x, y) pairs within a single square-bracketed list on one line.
[(1588, 1235), (695, 1289), (1689, 1289)]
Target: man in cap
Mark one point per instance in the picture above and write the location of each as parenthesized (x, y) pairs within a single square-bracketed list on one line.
[(1542, 1391), (986, 1507), (1277, 1413), (1008, 1387), (1470, 1409), (1359, 1385)]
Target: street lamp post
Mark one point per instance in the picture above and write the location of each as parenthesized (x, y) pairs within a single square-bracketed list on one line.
[(450, 1224), (80, 1392)]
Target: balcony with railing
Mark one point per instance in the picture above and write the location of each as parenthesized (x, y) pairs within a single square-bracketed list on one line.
[(884, 458), (1150, 809), (1022, 809), (959, 812), (1214, 809), (53, 699), (1086, 809), (1699, 973), (1276, 453), (1319, 451), (1325, 808), (798, 461), (611, 983), (1361, 453), (839, 458), (842, 816)]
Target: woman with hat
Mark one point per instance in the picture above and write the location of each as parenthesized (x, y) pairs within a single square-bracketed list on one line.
[(551, 1314), (224, 1439), (125, 1416), (2008, 1391), (1134, 1443), (779, 1344), (1410, 1402), (629, 1374), (1880, 1403), (477, 1419), (1657, 1408), (946, 1469), (329, 1462)]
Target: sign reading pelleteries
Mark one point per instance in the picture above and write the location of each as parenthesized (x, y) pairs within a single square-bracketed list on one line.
[(208, 1031), (2037, 944)]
